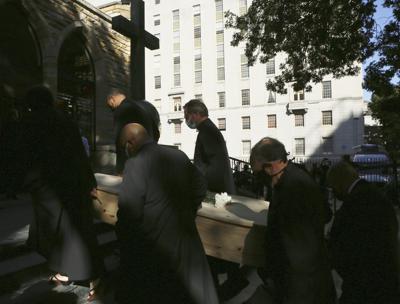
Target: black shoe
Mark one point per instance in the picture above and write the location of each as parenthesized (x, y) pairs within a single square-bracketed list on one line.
[(231, 288)]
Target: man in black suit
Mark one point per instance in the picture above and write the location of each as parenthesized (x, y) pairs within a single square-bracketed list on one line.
[(211, 158), (126, 111), (363, 240), (296, 266), (210, 154)]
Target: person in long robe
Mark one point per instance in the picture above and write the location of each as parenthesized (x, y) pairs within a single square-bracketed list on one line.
[(60, 180), (162, 257)]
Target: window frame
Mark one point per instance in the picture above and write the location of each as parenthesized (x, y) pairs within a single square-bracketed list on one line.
[(222, 124), (246, 123), (271, 121), (326, 90), (299, 122), (245, 95), (296, 146), (327, 120)]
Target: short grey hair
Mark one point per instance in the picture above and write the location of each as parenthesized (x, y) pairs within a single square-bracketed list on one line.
[(196, 106)]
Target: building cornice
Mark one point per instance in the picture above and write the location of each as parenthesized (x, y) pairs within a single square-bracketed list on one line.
[(95, 10)]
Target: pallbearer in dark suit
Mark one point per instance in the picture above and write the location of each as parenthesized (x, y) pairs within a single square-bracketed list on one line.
[(61, 182), (210, 154), (162, 257), (363, 240), (296, 266), (125, 111)]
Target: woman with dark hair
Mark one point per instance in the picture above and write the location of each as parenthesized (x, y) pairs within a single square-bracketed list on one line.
[(61, 182)]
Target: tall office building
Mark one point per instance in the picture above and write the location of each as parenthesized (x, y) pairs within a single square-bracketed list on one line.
[(196, 60)]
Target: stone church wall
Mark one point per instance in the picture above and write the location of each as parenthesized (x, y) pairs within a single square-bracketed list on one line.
[(53, 21)]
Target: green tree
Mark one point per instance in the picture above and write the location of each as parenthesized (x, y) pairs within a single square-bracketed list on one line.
[(319, 37), (383, 80)]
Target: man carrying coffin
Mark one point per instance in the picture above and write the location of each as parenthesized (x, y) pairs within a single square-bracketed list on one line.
[(162, 257)]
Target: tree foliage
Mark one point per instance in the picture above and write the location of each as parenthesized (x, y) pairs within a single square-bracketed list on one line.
[(387, 110), (383, 79), (380, 73), (319, 37)]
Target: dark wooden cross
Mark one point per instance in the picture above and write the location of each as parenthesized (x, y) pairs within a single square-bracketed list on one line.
[(140, 39)]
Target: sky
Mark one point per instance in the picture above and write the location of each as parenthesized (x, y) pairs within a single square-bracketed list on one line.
[(382, 16)]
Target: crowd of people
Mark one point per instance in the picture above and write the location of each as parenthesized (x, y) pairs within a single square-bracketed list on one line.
[(162, 259)]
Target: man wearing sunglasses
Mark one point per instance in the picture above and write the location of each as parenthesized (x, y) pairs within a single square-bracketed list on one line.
[(296, 266)]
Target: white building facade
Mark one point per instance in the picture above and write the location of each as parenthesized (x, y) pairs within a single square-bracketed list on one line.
[(196, 60)]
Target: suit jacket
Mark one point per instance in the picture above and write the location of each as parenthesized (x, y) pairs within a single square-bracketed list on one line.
[(162, 256), (296, 256), (363, 242), (211, 157)]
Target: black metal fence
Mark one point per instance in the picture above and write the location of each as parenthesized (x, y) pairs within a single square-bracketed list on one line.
[(385, 174)]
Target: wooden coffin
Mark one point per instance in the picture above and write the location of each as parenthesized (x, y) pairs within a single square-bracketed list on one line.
[(233, 233)]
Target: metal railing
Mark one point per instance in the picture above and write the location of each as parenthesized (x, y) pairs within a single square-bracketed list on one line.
[(384, 174)]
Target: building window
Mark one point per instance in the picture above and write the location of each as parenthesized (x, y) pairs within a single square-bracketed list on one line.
[(221, 99), (298, 95), (178, 145), (176, 42), (244, 66), (327, 144), (157, 103), (157, 82), (177, 104), (299, 120), (246, 145), (326, 89), (222, 124), (242, 7), (246, 122), (197, 69), (220, 56), (156, 19), (177, 71), (178, 127), (220, 37), (270, 66), (271, 120), (299, 146), (198, 96), (157, 1), (219, 13), (197, 26), (221, 73), (246, 97), (175, 20), (271, 97), (326, 118), (157, 61)]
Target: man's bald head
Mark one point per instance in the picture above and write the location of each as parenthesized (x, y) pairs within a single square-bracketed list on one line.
[(132, 138)]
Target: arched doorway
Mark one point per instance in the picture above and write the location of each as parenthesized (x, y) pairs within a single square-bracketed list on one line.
[(76, 84), (20, 56)]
